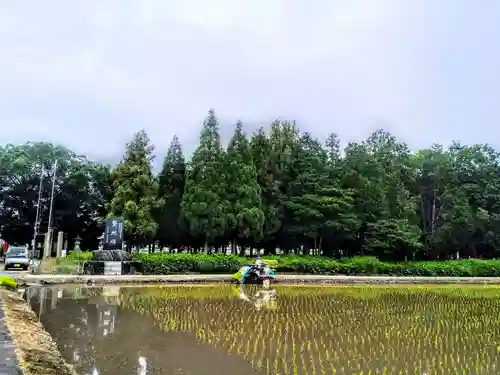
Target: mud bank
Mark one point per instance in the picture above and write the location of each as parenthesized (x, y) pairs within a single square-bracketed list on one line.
[(8, 358), (35, 350), (285, 279)]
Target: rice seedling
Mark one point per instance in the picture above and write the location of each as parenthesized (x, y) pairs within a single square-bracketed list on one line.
[(375, 330)]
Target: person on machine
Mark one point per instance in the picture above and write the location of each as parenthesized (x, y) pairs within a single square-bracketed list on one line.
[(259, 265)]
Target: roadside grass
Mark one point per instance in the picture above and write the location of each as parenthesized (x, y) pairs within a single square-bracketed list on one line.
[(59, 266), (8, 282)]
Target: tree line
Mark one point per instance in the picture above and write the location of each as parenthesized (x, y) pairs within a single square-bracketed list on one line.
[(280, 188)]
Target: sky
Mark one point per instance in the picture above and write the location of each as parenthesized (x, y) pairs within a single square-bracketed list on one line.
[(88, 74)]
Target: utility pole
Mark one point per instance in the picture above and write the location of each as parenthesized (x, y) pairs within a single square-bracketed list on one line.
[(48, 237), (37, 217), (52, 195)]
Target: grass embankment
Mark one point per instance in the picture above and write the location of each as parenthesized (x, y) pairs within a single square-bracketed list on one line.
[(8, 282), (61, 266), (163, 263)]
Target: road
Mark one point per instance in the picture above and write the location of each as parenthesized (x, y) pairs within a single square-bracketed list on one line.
[(14, 274)]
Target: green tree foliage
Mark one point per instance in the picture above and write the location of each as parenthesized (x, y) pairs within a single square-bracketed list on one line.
[(316, 206), (204, 203), (171, 181), (135, 191), (245, 217), (265, 166), (277, 189), (81, 192)]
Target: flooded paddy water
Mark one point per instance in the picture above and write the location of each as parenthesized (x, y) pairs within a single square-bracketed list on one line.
[(289, 330)]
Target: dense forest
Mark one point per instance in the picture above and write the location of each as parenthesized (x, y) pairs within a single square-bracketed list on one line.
[(277, 188)]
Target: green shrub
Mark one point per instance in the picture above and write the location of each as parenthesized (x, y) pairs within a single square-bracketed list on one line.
[(79, 255), (164, 263), (8, 282), (160, 263)]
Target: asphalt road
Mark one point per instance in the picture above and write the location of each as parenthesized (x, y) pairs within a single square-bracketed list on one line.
[(10, 273), (13, 274)]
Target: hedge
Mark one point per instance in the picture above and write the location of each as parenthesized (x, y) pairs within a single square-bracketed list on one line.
[(79, 255), (164, 263)]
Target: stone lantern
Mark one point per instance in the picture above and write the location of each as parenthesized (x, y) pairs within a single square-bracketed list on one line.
[(77, 243)]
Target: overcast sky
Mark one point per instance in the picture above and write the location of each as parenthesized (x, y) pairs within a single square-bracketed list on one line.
[(89, 73)]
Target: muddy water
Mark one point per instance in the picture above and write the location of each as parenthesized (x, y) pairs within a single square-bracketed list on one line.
[(214, 330)]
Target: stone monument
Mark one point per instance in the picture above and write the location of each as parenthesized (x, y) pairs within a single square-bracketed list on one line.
[(59, 246)]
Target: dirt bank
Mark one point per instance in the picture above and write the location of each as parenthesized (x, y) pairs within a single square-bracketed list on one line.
[(36, 351), (9, 364), (285, 279)]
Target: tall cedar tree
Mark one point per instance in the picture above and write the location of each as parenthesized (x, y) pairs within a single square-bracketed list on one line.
[(171, 183), (204, 203), (284, 139), (265, 165), (134, 191), (246, 218), (317, 207)]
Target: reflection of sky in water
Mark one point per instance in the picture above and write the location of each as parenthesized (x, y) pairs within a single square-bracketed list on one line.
[(76, 355), (82, 324), (142, 366)]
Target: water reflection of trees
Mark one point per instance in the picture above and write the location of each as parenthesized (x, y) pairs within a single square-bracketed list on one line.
[(83, 325), (72, 323), (99, 337)]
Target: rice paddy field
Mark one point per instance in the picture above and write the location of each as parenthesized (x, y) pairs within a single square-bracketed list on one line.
[(291, 330)]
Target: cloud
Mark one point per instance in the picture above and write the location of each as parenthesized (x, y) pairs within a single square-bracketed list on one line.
[(89, 74)]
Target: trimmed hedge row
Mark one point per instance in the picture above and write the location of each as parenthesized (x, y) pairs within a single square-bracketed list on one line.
[(161, 263), (164, 263)]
